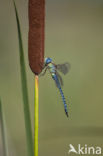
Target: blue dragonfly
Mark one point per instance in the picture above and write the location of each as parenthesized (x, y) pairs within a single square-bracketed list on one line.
[(53, 69)]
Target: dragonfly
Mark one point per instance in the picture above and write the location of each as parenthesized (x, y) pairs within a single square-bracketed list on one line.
[(53, 69)]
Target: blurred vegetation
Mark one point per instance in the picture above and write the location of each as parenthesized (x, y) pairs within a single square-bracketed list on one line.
[(4, 137), (74, 33)]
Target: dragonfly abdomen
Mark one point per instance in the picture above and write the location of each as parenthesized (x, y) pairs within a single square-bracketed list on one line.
[(54, 76), (64, 102)]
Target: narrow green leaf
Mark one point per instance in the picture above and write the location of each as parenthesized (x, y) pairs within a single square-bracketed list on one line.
[(3, 131), (24, 90)]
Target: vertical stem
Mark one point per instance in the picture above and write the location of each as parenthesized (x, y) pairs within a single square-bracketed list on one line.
[(36, 117), (3, 132)]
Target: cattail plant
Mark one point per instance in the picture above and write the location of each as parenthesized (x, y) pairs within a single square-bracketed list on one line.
[(36, 53), (36, 61)]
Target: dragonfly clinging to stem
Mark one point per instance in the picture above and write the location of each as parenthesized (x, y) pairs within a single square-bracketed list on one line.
[(53, 69)]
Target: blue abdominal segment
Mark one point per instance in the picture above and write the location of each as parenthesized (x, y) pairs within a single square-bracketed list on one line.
[(54, 76)]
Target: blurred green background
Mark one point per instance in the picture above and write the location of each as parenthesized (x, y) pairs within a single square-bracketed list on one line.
[(74, 33)]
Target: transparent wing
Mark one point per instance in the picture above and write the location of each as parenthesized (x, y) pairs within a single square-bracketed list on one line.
[(56, 84), (59, 78), (64, 68)]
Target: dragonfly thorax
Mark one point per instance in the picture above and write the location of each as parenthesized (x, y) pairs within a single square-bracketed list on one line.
[(51, 68), (48, 60)]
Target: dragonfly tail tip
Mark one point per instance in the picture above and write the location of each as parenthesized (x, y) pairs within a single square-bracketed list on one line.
[(67, 114)]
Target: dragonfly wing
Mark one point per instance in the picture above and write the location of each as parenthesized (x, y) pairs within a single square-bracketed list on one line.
[(59, 78), (64, 68), (56, 84)]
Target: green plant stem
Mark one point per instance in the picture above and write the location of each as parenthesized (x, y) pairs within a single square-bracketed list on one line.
[(3, 131), (24, 91), (36, 117)]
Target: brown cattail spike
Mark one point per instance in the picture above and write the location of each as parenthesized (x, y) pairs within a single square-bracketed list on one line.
[(36, 35)]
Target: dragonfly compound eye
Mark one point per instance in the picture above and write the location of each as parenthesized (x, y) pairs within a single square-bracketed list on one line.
[(48, 60)]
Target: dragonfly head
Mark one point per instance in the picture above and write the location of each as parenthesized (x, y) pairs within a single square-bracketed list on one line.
[(48, 60)]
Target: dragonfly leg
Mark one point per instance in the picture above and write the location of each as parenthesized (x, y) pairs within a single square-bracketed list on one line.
[(42, 74)]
